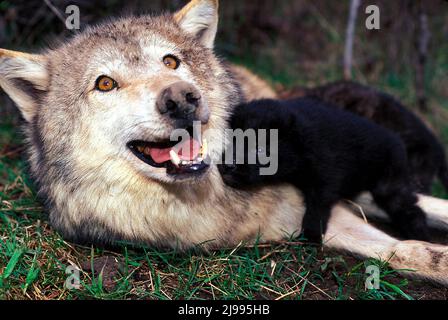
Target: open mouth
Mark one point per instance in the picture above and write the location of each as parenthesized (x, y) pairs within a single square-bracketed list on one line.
[(179, 158)]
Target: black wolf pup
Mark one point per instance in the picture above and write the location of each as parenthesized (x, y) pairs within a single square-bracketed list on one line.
[(425, 152), (330, 155)]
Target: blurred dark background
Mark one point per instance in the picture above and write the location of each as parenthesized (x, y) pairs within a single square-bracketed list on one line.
[(288, 42)]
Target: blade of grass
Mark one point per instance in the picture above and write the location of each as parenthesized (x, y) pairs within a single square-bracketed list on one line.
[(12, 263)]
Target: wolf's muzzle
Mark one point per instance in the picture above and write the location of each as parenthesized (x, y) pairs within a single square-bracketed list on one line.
[(183, 103)]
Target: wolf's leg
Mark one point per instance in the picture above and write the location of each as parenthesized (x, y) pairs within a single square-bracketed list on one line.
[(348, 232), (436, 210)]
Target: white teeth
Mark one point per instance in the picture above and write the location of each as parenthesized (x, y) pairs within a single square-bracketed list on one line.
[(175, 158), (147, 151), (141, 149), (177, 161), (204, 148)]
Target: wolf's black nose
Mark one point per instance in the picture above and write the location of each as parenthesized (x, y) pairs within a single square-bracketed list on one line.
[(182, 101)]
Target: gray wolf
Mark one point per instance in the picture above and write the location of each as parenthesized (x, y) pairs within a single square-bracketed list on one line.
[(426, 154), (330, 155), (84, 102)]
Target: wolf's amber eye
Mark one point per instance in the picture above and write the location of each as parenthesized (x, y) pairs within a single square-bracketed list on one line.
[(105, 84), (171, 62)]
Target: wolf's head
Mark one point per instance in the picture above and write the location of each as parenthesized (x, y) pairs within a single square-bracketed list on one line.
[(111, 97)]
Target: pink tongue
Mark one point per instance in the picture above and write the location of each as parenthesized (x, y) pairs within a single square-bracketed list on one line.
[(189, 150)]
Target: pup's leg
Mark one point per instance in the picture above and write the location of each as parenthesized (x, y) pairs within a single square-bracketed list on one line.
[(348, 232), (400, 203), (422, 170), (422, 182), (317, 214)]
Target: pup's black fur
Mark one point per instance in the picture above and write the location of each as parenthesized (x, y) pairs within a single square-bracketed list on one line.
[(426, 155), (330, 155)]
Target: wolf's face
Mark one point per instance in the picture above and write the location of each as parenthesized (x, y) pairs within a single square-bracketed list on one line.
[(117, 92)]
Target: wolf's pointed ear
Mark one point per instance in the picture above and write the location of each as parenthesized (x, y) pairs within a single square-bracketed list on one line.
[(24, 77), (200, 18)]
